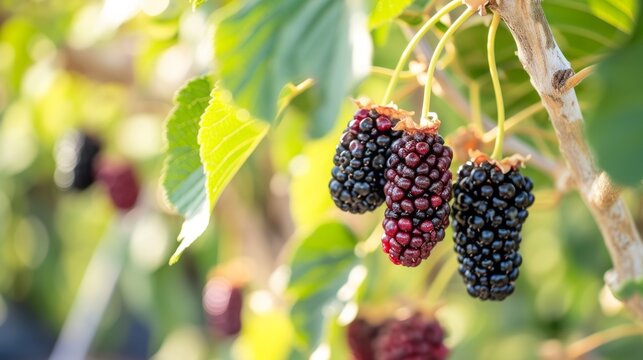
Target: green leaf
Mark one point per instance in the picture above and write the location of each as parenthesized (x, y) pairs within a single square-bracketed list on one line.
[(265, 45), (387, 10), (618, 13), (197, 3), (320, 266), (614, 126), (227, 136), (628, 289), (183, 176)]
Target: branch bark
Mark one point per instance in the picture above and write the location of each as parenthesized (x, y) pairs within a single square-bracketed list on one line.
[(549, 70)]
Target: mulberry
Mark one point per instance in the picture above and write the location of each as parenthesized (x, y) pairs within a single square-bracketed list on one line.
[(75, 155), (361, 334), (488, 212), (357, 181), (418, 190), (121, 184), (222, 303), (412, 338)]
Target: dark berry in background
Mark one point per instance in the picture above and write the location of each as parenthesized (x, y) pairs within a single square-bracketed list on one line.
[(75, 155), (412, 338), (121, 184), (488, 212), (360, 335), (222, 304), (418, 190), (360, 158)]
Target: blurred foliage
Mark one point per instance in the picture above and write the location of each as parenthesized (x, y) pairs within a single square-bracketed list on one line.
[(112, 68), (618, 97)]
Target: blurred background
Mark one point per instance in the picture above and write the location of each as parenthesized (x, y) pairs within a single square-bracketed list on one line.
[(111, 68)]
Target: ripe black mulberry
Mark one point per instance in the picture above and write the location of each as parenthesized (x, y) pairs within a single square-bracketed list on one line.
[(75, 154), (357, 183), (489, 210)]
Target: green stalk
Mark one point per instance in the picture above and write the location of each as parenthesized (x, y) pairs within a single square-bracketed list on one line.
[(436, 55), (493, 70), (413, 43)]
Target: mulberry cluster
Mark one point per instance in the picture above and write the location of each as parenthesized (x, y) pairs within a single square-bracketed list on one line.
[(488, 212), (418, 190), (75, 154), (360, 159)]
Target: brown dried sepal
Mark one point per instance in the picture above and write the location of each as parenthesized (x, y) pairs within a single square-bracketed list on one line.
[(514, 161), (478, 5), (426, 126), (391, 110), (464, 140)]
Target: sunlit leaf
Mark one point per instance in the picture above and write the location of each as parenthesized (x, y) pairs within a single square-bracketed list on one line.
[(387, 10), (266, 45), (320, 266), (197, 3), (227, 136), (183, 176), (619, 13)]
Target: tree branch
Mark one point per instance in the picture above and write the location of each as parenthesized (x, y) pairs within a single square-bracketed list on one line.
[(548, 69)]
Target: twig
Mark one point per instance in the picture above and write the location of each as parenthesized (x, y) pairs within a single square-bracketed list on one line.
[(576, 79), (581, 347), (546, 65)]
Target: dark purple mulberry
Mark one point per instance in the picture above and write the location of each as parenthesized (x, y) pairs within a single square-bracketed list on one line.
[(418, 190), (357, 183), (222, 303), (121, 184), (412, 338), (360, 334), (488, 212), (76, 153)]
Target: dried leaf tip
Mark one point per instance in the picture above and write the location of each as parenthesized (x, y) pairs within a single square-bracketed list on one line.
[(428, 126), (514, 161), (478, 5), (391, 110)]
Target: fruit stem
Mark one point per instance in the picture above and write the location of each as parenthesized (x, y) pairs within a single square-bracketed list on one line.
[(476, 110), (413, 43), (493, 71), (514, 120), (436, 55)]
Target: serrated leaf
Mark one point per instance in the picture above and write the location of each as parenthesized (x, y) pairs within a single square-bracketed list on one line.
[(266, 45), (387, 10), (197, 3), (227, 136), (183, 176), (320, 266)]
